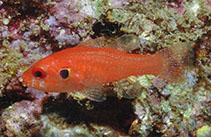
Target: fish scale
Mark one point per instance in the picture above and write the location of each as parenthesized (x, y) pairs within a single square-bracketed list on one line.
[(88, 67)]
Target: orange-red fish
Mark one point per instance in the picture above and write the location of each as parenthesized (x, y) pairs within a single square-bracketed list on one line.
[(80, 68)]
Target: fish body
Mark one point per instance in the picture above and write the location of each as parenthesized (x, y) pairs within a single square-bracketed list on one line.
[(88, 67), (81, 68)]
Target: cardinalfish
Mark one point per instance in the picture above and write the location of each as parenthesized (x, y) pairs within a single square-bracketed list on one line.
[(86, 66)]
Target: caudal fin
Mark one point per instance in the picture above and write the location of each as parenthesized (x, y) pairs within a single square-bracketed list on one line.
[(176, 60)]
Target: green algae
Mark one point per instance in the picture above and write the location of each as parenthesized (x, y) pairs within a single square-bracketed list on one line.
[(57, 126), (178, 111), (172, 106), (158, 25), (101, 6), (12, 59), (154, 22), (204, 131), (11, 62)]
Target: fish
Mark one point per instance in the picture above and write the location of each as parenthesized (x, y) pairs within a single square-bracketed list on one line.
[(86, 67)]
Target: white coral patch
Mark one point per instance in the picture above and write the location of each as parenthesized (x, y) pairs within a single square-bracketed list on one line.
[(195, 8)]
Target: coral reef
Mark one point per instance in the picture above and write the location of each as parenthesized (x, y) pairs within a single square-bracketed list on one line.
[(57, 127), (69, 117), (204, 131), (157, 24), (20, 120), (135, 106)]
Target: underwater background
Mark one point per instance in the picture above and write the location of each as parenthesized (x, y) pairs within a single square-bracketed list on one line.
[(138, 105)]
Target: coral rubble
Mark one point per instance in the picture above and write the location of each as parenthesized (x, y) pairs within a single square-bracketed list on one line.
[(135, 106)]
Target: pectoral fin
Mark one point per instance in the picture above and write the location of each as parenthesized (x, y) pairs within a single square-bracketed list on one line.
[(95, 94)]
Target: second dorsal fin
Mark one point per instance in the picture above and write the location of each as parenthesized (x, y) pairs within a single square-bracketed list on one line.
[(126, 42)]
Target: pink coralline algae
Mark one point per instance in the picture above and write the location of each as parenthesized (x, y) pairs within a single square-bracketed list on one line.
[(67, 11), (20, 119), (135, 106), (119, 3), (178, 5), (208, 4)]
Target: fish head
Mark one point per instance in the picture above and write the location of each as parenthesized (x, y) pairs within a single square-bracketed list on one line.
[(47, 75)]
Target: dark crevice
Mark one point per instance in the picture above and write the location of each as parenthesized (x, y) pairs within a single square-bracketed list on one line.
[(154, 133), (114, 113), (106, 28), (11, 96)]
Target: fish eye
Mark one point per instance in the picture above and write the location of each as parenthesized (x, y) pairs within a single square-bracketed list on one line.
[(65, 73), (39, 73)]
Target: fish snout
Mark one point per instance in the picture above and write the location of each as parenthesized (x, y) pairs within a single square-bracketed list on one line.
[(25, 79)]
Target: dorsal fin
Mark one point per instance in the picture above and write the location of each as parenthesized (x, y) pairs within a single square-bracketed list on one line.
[(98, 42), (126, 42)]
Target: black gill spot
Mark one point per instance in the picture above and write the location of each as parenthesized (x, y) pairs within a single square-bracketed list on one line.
[(64, 73)]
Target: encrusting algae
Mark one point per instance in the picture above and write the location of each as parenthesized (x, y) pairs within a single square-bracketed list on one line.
[(136, 105)]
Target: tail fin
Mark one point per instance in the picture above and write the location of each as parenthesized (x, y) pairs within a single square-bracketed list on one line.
[(176, 60)]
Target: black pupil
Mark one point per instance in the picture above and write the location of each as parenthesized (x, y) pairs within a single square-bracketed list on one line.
[(64, 73), (38, 74)]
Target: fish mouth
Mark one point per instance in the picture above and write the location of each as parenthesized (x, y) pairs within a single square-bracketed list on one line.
[(25, 83), (25, 80)]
